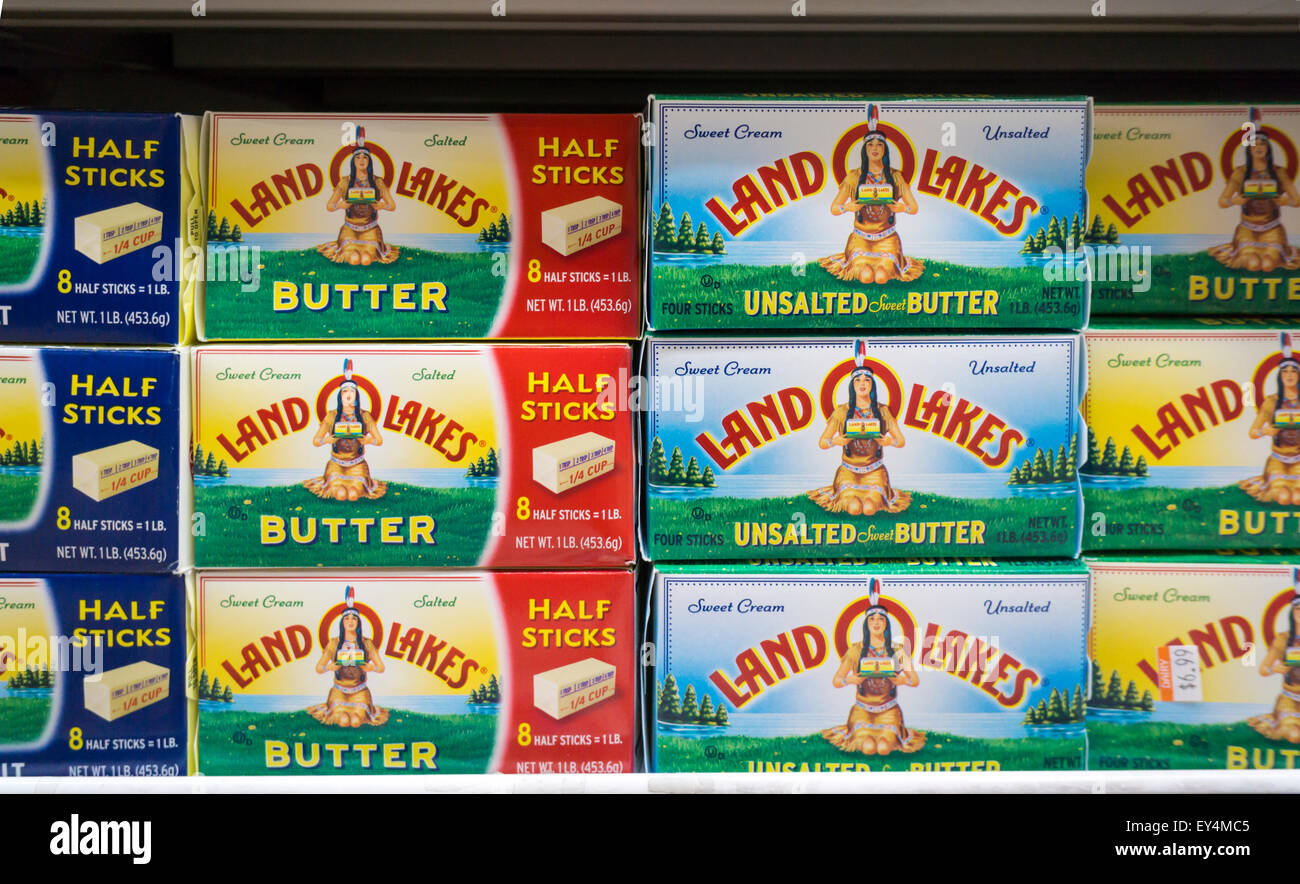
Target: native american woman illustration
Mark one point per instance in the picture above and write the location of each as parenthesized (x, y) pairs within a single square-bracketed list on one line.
[(877, 668), (1261, 189), (347, 428), (864, 428), (1283, 659), (874, 192), (349, 655), (1278, 416), (361, 194)]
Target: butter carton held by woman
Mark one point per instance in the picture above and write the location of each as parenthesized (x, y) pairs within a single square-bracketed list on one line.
[(843, 448), (840, 212)]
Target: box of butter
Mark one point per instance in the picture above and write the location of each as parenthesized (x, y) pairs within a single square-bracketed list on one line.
[(91, 675), (415, 672), (1191, 208), (418, 226), (1194, 662), (880, 447), (99, 218), (971, 665), (844, 212), (90, 460), (1192, 442), (413, 456)]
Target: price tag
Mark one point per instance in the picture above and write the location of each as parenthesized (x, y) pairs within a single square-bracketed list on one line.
[(1179, 671)]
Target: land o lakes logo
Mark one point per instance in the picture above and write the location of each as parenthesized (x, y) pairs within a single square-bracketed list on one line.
[(938, 411), (976, 660), (409, 417), (438, 190)]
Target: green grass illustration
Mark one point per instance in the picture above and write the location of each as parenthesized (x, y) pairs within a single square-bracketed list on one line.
[(18, 496), (23, 719), (1169, 291), (232, 535), (1186, 518), (1157, 745), (734, 753), (1021, 301), (235, 742), (1011, 517), (473, 294), (18, 256)]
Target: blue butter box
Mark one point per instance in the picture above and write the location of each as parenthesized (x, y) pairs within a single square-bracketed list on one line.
[(92, 675), (97, 216), (90, 461)]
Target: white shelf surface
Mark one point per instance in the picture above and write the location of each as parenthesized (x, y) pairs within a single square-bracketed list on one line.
[(1001, 783)]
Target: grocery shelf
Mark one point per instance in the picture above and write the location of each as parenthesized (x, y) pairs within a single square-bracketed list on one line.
[(1001, 783)]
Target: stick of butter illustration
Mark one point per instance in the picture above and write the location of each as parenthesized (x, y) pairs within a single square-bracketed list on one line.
[(126, 689), (562, 691), (107, 471), (110, 233), (576, 226), (568, 463)]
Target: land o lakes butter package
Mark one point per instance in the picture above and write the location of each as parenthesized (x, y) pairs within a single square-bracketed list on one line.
[(92, 671), (90, 464), (420, 672), (869, 666), (1196, 663), (1191, 208), (421, 226), (838, 448), (849, 212), (1194, 435), (97, 216), (413, 456)]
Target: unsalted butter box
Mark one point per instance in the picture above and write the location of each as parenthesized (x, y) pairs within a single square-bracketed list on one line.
[(91, 669), (419, 226), (880, 447), (412, 456), (1192, 437), (1195, 209), (99, 219), (90, 459), (1194, 662), (963, 665), (413, 672), (844, 212)]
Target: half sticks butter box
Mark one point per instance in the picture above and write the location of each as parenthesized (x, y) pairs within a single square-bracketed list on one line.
[(98, 213), (883, 447), (504, 455), (841, 212), (92, 674), (1194, 434), (422, 226), (958, 666), (1196, 662), (1195, 209), (90, 464), (328, 672)]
